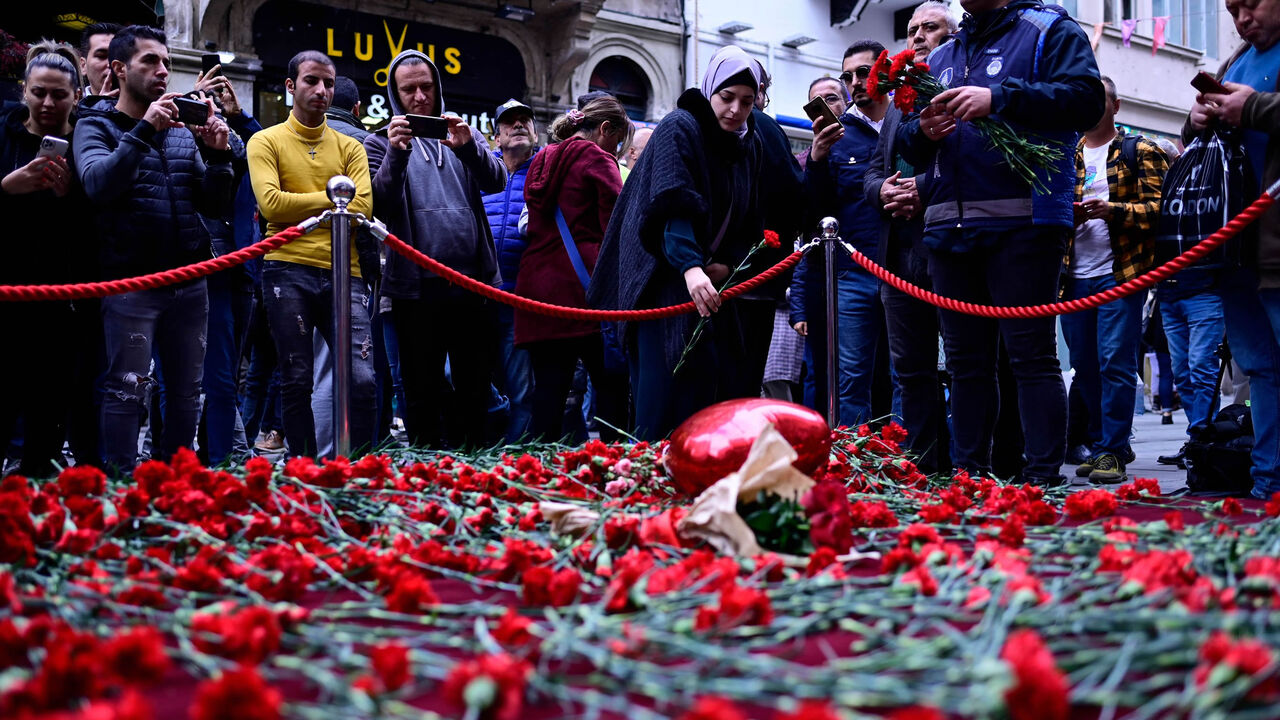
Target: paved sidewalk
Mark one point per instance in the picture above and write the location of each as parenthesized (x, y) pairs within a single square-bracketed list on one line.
[(1151, 440)]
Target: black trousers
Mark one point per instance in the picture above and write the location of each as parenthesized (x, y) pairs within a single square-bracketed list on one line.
[(553, 363), (37, 368), (445, 321), (913, 328)]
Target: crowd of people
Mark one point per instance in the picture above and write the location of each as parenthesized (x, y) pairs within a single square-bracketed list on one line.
[(605, 216)]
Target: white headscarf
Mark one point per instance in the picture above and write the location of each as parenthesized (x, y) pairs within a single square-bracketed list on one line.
[(725, 63)]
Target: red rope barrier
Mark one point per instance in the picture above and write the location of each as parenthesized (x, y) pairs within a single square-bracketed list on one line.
[(572, 313), (77, 291), (1142, 282)]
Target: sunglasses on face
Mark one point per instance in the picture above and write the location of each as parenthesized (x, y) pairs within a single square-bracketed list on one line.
[(862, 72)]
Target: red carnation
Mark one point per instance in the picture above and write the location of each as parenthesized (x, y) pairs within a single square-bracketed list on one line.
[(1090, 505), (492, 684), (391, 663), (238, 694), (137, 656), (82, 480), (543, 586), (713, 708), (771, 239), (1040, 690), (411, 593)]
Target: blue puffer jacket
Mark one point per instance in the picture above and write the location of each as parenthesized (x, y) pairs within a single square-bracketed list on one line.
[(503, 209), (147, 188)]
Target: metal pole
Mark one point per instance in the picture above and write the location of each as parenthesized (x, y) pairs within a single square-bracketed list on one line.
[(341, 190), (830, 236)]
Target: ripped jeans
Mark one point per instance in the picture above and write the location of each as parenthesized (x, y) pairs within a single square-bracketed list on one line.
[(172, 321), (299, 299)]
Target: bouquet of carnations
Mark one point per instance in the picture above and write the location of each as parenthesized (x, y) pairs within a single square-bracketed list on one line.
[(913, 88)]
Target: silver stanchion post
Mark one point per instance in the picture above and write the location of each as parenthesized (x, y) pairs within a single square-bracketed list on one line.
[(830, 237), (341, 190)]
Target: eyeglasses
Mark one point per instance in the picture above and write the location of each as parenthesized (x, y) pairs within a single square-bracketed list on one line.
[(862, 71), (928, 27)]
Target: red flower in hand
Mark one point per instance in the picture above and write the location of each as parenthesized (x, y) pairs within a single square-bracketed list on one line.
[(1040, 690)]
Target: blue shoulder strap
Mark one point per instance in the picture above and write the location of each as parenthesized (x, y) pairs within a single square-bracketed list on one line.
[(572, 248)]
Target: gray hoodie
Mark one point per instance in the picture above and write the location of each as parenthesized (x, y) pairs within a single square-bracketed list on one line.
[(430, 197)]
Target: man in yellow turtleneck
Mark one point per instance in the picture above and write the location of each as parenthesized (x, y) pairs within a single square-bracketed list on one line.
[(289, 165)]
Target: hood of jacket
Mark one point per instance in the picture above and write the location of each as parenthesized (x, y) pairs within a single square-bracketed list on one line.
[(722, 143), (545, 179), (393, 93)]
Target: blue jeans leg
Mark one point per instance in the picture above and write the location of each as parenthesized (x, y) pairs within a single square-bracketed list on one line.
[(1194, 327), (1254, 347), (172, 321), (1111, 362), (859, 316), (230, 304), (516, 374)]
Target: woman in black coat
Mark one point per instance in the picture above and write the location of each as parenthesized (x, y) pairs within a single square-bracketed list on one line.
[(686, 216), (48, 243)]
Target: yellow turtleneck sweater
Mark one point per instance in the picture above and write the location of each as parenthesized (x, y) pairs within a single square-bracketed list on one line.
[(288, 180)]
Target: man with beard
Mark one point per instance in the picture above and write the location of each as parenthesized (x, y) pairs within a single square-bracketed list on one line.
[(892, 185), (839, 158), (149, 175), (517, 137), (429, 192), (289, 165)]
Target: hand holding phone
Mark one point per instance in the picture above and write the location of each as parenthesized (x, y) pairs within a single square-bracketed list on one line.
[(428, 126), (192, 111), (818, 108), (1206, 84), (51, 147)]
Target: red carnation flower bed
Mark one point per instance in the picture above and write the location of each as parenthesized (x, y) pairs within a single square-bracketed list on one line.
[(394, 585)]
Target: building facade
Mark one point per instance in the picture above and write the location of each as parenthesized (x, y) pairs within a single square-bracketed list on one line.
[(548, 52)]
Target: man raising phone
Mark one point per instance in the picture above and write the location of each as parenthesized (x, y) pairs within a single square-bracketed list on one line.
[(289, 166), (429, 192), (148, 175)]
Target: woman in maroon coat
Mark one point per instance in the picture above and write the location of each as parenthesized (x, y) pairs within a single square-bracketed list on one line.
[(577, 176)]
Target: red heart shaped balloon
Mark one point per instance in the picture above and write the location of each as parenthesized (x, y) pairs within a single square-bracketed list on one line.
[(716, 440)]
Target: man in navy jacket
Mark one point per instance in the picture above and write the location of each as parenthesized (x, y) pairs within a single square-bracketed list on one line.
[(839, 158), (148, 177), (992, 238)]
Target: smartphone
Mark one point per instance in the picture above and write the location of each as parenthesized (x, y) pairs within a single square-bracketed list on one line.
[(51, 146), (1206, 83), (191, 112), (208, 61), (818, 108), (427, 126)]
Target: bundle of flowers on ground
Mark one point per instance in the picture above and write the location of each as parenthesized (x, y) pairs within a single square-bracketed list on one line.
[(434, 586)]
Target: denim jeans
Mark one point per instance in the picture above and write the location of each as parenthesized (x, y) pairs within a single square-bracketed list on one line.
[(260, 403), (172, 321), (1255, 350), (1103, 344), (515, 372), (913, 349), (299, 300), (859, 320), (1194, 328), (230, 310), (1019, 267)]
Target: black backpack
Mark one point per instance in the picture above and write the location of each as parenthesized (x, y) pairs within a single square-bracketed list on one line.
[(1219, 454)]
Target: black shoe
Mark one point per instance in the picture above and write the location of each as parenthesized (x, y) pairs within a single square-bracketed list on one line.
[(1046, 482), (1178, 458), (1078, 455), (1166, 418)]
